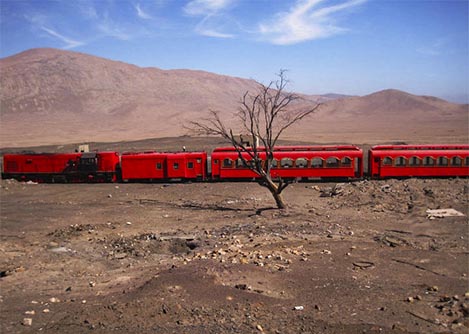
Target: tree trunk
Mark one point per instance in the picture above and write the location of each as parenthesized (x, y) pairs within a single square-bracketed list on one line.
[(275, 190), (279, 200)]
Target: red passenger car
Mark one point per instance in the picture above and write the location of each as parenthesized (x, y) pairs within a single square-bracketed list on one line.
[(160, 166), (61, 167), (301, 162), (418, 160)]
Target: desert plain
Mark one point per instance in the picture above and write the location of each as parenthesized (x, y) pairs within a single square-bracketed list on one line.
[(348, 257)]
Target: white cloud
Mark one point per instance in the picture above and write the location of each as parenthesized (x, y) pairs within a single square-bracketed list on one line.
[(39, 21), (434, 49), (69, 43), (107, 28), (214, 22), (141, 13), (206, 7), (305, 21)]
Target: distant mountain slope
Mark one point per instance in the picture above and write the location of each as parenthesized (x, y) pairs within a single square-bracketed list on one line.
[(55, 96)]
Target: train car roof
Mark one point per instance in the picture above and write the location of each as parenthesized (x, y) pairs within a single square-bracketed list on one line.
[(164, 153), (434, 147), (297, 148)]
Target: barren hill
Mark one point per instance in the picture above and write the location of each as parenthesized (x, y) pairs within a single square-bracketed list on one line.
[(53, 96)]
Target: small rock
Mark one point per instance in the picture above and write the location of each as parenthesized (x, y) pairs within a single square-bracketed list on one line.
[(27, 322), (410, 299), (259, 328), (54, 300), (128, 223), (109, 196), (46, 310), (299, 308), (433, 288), (386, 188), (30, 312)]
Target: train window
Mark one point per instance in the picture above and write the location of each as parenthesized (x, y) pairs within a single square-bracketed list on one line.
[(227, 163), (442, 161), (428, 161), (190, 165), (240, 163), (301, 163), (29, 161), (400, 161), (387, 161), (274, 163), (467, 161), (332, 162), (456, 161), (346, 162), (158, 165), (215, 162), (414, 161), (286, 163), (176, 165), (316, 163)]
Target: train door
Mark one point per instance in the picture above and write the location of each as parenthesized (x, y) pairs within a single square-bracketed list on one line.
[(199, 167), (175, 167)]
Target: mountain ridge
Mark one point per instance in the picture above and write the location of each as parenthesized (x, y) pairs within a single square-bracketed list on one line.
[(79, 97)]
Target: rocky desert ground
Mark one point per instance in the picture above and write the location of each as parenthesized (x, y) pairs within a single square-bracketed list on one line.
[(352, 257)]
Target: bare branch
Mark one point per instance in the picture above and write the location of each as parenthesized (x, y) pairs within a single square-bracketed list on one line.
[(264, 116)]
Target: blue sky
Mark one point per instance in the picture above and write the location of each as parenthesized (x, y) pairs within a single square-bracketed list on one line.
[(343, 46)]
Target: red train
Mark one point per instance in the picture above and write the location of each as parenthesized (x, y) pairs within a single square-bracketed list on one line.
[(418, 161), (290, 162), (62, 167)]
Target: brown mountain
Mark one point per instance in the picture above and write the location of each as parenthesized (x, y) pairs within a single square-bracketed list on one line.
[(53, 96)]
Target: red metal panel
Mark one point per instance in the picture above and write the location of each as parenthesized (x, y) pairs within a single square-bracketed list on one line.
[(165, 165), (143, 166), (219, 170), (38, 163), (107, 161), (378, 153)]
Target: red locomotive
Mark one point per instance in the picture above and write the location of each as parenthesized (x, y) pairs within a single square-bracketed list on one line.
[(290, 162), (418, 161), (62, 167)]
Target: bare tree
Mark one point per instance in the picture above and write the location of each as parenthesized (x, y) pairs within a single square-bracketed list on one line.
[(265, 115)]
